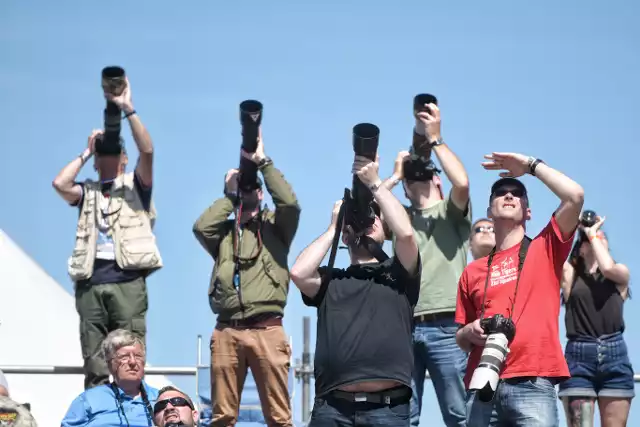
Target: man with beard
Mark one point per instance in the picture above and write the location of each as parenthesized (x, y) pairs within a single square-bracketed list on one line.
[(174, 408), (248, 291)]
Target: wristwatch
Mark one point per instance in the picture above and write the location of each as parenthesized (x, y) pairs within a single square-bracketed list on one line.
[(533, 163), (264, 162), (437, 142)]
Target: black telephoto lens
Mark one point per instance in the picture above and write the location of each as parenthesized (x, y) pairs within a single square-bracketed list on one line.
[(365, 140), (421, 99), (588, 218), (365, 143), (110, 144), (113, 80), (250, 120)]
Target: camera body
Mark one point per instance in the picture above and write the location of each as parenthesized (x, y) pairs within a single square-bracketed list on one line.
[(500, 332), (250, 120), (113, 82), (419, 166), (360, 208)]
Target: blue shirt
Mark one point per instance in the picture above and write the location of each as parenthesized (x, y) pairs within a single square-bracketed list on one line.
[(99, 406)]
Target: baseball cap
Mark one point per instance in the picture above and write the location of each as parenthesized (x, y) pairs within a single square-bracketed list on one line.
[(508, 182), (12, 414)]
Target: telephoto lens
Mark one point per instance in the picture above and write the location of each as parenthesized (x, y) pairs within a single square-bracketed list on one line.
[(250, 120), (113, 80), (360, 212)]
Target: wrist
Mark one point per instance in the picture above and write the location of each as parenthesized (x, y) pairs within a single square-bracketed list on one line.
[(435, 140), (375, 185), (128, 109)]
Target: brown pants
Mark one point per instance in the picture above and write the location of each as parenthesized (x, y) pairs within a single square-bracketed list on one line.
[(267, 353)]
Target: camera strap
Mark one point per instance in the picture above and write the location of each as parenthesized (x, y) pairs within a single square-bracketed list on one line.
[(522, 254)]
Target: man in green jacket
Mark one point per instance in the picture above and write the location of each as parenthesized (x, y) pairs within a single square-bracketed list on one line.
[(248, 291)]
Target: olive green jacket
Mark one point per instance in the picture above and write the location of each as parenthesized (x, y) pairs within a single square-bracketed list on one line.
[(264, 273)]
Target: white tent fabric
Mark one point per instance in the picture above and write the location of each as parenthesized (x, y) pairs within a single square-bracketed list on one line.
[(28, 293)]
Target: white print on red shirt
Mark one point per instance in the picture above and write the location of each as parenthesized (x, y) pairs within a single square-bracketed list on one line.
[(504, 272)]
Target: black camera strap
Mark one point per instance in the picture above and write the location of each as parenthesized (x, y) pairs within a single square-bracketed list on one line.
[(522, 254)]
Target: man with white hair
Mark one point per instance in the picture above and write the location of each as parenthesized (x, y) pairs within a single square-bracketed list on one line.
[(128, 400), (174, 408)]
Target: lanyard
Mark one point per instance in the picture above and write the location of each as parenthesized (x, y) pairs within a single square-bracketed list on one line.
[(522, 254)]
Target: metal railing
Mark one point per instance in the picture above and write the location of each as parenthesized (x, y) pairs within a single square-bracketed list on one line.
[(302, 369)]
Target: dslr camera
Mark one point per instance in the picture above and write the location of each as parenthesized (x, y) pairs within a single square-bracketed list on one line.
[(588, 218), (500, 332), (110, 143), (419, 166)]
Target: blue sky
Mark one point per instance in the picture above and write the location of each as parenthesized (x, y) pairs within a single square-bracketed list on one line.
[(557, 80)]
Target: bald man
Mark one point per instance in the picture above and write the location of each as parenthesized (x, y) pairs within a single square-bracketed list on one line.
[(482, 238)]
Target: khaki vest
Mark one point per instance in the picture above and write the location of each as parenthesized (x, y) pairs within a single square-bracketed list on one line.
[(131, 226)]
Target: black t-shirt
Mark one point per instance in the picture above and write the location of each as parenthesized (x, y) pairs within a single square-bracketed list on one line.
[(594, 308), (108, 271), (365, 323)]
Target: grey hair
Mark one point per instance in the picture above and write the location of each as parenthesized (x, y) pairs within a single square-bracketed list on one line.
[(118, 339)]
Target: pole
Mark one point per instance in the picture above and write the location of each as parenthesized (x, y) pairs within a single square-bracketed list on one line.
[(306, 370)]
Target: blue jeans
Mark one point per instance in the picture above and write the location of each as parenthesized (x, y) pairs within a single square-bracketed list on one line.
[(518, 402), (599, 367), (435, 350), (333, 412)]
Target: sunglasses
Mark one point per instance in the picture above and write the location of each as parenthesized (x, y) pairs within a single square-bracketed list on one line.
[(515, 192), (175, 401), (488, 229)]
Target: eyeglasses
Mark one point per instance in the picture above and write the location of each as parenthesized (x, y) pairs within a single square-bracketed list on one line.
[(515, 192), (122, 358), (486, 228), (175, 401)]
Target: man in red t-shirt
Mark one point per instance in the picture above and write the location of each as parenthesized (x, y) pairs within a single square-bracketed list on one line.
[(526, 394)]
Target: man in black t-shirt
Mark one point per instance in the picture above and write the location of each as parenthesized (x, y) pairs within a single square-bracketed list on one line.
[(364, 347)]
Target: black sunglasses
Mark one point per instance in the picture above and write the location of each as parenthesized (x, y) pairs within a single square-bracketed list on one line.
[(175, 401), (515, 192), (480, 229)]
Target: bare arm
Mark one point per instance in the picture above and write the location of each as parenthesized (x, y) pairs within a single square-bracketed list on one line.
[(456, 174), (144, 168), (568, 276), (65, 182), (304, 272), (570, 193), (398, 221), (616, 272)]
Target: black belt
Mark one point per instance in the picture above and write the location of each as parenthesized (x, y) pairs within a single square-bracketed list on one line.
[(434, 317), (386, 397)]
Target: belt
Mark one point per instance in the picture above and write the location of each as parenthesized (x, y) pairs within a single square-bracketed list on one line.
[(434, 317), (256, 322), (386, 397)]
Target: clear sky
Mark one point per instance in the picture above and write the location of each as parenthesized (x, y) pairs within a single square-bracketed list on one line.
[(557, 80)]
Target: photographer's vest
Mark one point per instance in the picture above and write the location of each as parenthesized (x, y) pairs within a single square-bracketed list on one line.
[(128, 223)]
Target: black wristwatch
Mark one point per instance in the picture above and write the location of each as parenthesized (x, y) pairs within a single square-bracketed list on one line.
[(533, 164)]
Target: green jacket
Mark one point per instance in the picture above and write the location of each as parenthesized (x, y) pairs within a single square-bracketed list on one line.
[(264, 277)]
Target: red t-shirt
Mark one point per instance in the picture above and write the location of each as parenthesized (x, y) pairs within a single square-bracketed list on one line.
[(536, 348)]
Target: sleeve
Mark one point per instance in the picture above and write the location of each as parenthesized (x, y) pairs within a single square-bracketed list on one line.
[(411, 281), (144, 192), (80, 201), (287, 209), (465, 311), (212, 225), (557, 248), (324, 285), (462, 220), (78, 413)]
